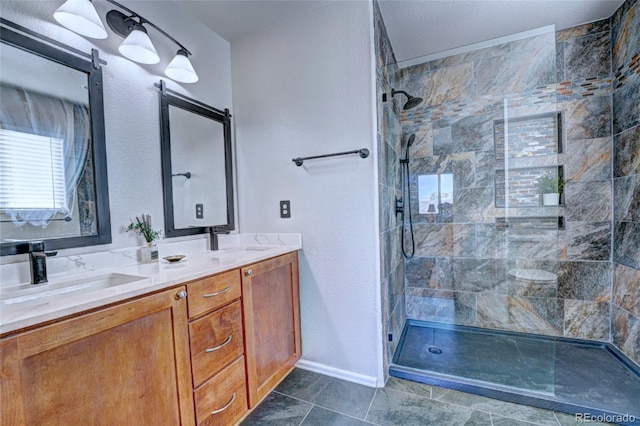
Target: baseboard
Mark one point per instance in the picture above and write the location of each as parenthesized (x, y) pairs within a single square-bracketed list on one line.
[(350, 376)]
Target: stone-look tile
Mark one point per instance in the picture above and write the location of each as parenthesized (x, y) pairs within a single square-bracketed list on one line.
[(345, 397), (462, 166), (407, 386), (433, 240), (536, 245), (423, 144), (396, 323), (588, 240), (626, 244), (530, 63), (475, 55), (527, 314), (625, 34), (401, 409), (587, 118), (587, 56), (442, 141), (625, 105), (485, 165), (464, 237), (588, 160), (588, 201), (506, 409), (626, 147), (626, 332), (321, 417), (585, 281), (626, 198), (449, 84), (396, 283), (583, 30), (303, 384), (444, 272), (441, 306), (587, 320), (278, 410), (473, 133), (626, 288), (506, 421), (421, 272), (490, 242), (560, 63), (474, 204), (473, 274)]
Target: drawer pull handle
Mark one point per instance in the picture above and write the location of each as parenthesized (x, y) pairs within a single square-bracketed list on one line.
[(220, 410), (217, 293), (225, 343)]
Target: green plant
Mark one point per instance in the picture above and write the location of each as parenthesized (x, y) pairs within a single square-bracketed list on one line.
[(550, 184), (143, 228)]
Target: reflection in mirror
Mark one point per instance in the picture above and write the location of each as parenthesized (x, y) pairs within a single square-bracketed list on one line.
[(52, 161), (196, 162)]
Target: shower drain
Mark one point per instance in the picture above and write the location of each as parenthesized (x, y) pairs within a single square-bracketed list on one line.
[(435, 350)]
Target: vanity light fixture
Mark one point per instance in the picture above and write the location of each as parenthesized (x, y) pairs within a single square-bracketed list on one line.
[(81, 17)]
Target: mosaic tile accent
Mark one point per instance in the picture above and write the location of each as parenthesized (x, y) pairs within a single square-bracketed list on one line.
[(626, 289), (626, 147), (585, 281), (522, 186), (527, 136), (587, 320)]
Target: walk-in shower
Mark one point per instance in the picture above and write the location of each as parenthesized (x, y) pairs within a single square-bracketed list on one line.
[(510, 293)]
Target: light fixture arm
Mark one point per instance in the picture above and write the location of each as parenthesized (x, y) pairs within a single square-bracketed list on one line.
[(118, 23)]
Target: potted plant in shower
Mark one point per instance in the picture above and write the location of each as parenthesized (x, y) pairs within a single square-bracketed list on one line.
[(550, 187), (142, 227)]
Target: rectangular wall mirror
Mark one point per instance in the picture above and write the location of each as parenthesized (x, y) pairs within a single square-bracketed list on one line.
[(196, 167), (53, 167)]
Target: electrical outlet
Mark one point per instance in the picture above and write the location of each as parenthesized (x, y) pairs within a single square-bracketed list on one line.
[(285, 209), (199, 211)]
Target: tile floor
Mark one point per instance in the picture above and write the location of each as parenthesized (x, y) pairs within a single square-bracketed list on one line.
[(307, 398)]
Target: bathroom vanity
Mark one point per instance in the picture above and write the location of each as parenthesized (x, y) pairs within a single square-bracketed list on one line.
[(195, 350)]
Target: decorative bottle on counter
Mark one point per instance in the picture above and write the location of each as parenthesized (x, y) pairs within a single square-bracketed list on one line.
[(149, 253)]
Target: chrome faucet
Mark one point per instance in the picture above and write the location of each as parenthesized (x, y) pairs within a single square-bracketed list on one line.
[(38, 261)]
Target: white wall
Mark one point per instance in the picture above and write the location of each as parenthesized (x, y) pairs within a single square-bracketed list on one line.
[(300, 88), (132, 117)]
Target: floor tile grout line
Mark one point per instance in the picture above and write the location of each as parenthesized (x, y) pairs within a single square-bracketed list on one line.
[(313, 404), (306, 415), (371, 403), (346, 415)]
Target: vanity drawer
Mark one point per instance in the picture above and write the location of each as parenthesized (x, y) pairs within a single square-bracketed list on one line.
[(222, 400), (215, 339), (211, 292)]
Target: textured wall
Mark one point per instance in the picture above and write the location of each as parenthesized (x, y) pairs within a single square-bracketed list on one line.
[(625, 319), (389, 188), (461, 272), (295, 95), (132, 117)]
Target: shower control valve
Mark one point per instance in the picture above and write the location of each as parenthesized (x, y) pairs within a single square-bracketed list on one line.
[(399, 205)]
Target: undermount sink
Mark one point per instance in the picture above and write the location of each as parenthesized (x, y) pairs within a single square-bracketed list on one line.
[(31, 292)]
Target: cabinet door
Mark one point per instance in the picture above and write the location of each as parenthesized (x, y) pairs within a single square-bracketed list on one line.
[(128, 364), (271, 307)]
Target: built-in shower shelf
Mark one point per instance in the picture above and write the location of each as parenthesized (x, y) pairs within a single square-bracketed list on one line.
[(518, 187), (528, 136), (530, 222)]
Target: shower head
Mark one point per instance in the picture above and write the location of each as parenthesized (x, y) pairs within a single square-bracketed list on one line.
[(411, 139), (412, 101)]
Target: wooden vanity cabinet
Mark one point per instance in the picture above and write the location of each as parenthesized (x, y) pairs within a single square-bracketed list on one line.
[(271, 306), (123, 365)]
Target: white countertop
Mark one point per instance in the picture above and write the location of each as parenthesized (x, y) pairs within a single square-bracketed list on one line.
[(153, 277)]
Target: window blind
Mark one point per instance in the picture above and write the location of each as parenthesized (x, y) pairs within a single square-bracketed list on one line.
[(32, 172)]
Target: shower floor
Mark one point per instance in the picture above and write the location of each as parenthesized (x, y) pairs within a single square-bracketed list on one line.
[(559, 374)]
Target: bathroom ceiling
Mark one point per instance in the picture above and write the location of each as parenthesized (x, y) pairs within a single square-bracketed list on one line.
[(416, 27)]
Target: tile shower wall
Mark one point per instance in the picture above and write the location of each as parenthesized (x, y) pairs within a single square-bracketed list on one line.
[(625, 40), (389, 181), (460, 274)]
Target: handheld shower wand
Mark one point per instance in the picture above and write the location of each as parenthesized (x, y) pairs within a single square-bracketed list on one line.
[(400, 205)]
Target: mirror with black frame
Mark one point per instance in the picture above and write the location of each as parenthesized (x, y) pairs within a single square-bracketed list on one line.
[(196, 167), (53, 167)]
